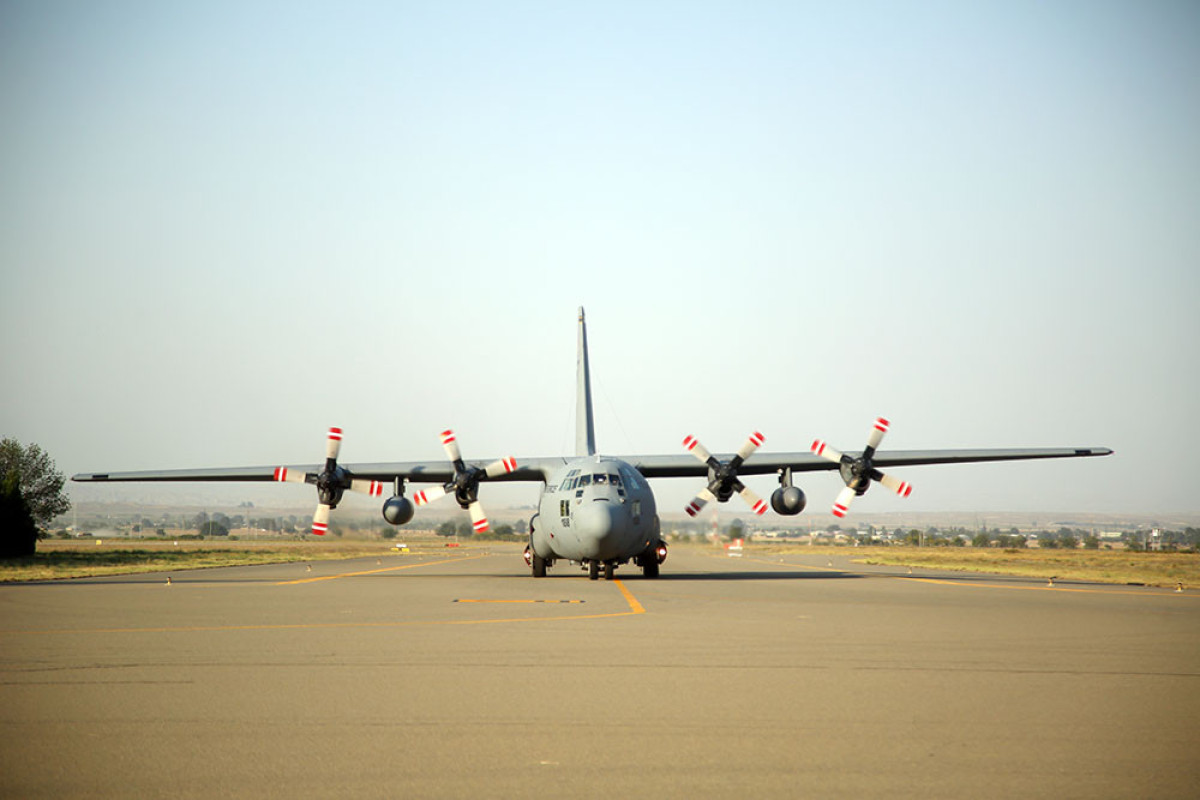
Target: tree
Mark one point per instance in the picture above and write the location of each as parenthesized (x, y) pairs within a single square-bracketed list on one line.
[(18, 531), (447, 528), (39, 482), (213, 528)]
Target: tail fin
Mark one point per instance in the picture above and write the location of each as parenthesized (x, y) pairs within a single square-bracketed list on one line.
[(585, 434)]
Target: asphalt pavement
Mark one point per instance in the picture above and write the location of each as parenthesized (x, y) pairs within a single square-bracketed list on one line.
[(458, 675)]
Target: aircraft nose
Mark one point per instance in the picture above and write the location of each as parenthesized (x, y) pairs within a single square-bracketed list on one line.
[(595, 523)]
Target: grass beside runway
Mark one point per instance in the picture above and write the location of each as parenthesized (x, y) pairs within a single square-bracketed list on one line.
[(57, 561), (1096, 566)]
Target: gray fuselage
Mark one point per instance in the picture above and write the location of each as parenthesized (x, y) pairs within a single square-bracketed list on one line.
[(595, 509)]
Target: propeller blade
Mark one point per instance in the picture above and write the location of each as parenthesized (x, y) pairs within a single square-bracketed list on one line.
[(754, 442), (693, 508), (695, 448), (877, 432), (320, 522), (427, 496), (902, 488), (334, 444), (842, 504), (291, 475), (373, 488), (754, 501), (479, 520), (501, 467), (451, 446), (822, 448)]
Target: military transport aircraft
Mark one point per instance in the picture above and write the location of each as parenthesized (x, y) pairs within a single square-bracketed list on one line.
[(596, 511)]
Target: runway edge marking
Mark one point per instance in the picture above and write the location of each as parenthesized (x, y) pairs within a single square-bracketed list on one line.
[(377, 571)]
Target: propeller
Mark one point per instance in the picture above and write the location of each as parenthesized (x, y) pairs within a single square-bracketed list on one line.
[(722, 475), (859, 472), (331, 482), (465, 483)]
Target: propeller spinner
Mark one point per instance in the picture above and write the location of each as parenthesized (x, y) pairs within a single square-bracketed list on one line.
[(722, 475), (859, 472), (465, 483), (331, 482)]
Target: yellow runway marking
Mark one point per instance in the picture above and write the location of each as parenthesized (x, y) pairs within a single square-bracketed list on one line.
[(968, 582), (1043, 587), (635, 608), (377, 571)]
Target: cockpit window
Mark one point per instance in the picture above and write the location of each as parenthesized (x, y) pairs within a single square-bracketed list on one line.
[(585, 480), (599, 478), (615, 480), (631, 478)]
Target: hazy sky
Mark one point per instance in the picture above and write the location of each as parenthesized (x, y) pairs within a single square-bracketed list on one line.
[(226, 226)]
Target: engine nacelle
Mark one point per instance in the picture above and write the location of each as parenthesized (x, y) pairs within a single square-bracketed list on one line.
[(788, 500), (397, 510)]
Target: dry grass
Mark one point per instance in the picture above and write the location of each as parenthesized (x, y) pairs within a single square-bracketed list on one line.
[(58, 560), (1098, 566)]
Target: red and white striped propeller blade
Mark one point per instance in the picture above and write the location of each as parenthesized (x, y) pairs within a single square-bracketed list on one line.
[(754, 501), (333, 444), (451, 445), (290, 475), (753, 442), (699, 501), (320, 522), (822, 448), (693, 446), (877, 432), (427, 496), (842, 504), (364, 486), (902, 488), (479, 519), (500, 467)]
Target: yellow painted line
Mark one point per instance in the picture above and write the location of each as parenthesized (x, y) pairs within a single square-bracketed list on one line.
[(1044, 588), (377, 571), (634, 606), (967, 582)]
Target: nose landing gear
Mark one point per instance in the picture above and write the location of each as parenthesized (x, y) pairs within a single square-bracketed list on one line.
[(594, 567)]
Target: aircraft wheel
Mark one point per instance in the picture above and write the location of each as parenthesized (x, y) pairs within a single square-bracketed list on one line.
[(593, 570), (539, 566), (650, 569), (609, 569)]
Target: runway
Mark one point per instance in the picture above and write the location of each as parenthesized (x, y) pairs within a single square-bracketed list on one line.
[(458, 675)]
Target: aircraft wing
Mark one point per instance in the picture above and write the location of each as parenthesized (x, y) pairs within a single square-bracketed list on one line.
[(537, 469), (532, 469), (681, 466)]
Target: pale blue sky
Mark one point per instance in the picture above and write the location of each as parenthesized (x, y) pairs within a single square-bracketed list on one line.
[(226, 226)]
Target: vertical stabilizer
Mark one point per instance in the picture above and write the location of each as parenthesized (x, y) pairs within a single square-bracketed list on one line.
[(585, 434)]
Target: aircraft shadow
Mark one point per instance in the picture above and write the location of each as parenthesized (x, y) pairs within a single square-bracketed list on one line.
[(773, 575)]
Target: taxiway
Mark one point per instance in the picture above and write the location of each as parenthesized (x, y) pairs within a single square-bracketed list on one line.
[(453, 675)]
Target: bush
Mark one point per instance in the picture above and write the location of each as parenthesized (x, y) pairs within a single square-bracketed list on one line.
[(18, 531)]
